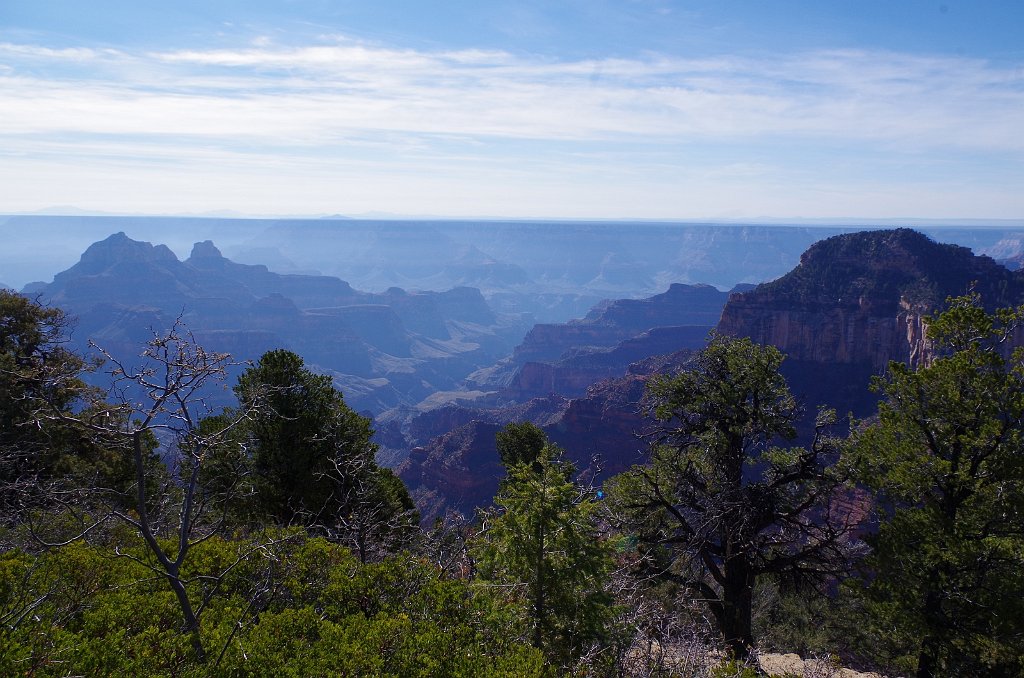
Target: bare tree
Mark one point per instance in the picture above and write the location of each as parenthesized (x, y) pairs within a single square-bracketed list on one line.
[(165, 398)]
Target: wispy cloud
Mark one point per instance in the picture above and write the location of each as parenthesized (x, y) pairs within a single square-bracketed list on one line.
[(361, 105), (316, 93), (49, 53)]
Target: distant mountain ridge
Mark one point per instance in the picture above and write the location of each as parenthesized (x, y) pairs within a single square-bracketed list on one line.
[(565, 358), (854, 302), (555, 270), (387, 349), (612, 322)]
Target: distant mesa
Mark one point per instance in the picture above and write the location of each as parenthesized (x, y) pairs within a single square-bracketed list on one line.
[(474, 267), (565, 358), (205, 250), (612, 322), (858, 301), (119, 248)]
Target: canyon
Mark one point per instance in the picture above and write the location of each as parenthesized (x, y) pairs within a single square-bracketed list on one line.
[(852, 304), (441, 371)]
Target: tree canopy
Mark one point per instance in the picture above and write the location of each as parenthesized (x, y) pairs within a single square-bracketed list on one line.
[(313, 458), (41, 392), (520, 442)]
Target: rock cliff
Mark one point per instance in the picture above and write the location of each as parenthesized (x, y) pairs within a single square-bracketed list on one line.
[(614, 322), (565, 358), (579, 367), (460, 469), (861, 298)]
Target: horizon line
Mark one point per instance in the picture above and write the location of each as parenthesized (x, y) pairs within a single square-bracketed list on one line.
[(72, 212)]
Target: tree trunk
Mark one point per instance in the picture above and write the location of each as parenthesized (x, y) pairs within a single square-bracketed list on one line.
[(191, 623), (171, 568), (737, 604), (539, 610), (928, 659), (931, 645)]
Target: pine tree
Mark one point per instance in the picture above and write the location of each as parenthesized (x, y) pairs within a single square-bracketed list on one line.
[(543, 545), (313, 458)]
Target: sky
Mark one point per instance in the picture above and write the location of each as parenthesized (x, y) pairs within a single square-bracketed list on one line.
[(619, 109)]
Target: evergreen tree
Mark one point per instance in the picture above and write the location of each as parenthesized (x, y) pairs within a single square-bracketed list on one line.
[(945, 580), (720, 504), (313, 458), (544, 545), (41, 393), (301, 428), (520, 443)]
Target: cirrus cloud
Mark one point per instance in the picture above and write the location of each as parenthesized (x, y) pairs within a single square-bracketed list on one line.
[(381, 109)]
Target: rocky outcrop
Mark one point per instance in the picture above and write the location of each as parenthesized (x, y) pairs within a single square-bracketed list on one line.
[(840, 335), (306, 291), (429, 313), (614, 322), (459, 470), (577, 394), (566, 358), (581, 367), (861, 298), (603, 428), (854, 303), (540, 379), (119, 270)]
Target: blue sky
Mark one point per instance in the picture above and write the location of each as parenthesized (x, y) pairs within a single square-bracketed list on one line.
[(591, 109)]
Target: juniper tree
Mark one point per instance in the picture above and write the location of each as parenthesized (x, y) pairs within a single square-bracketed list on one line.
[(725, 498), (945, 580)]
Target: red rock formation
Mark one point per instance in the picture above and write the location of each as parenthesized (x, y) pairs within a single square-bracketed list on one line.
[(460, 469), (614, 322), (861, 298)]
